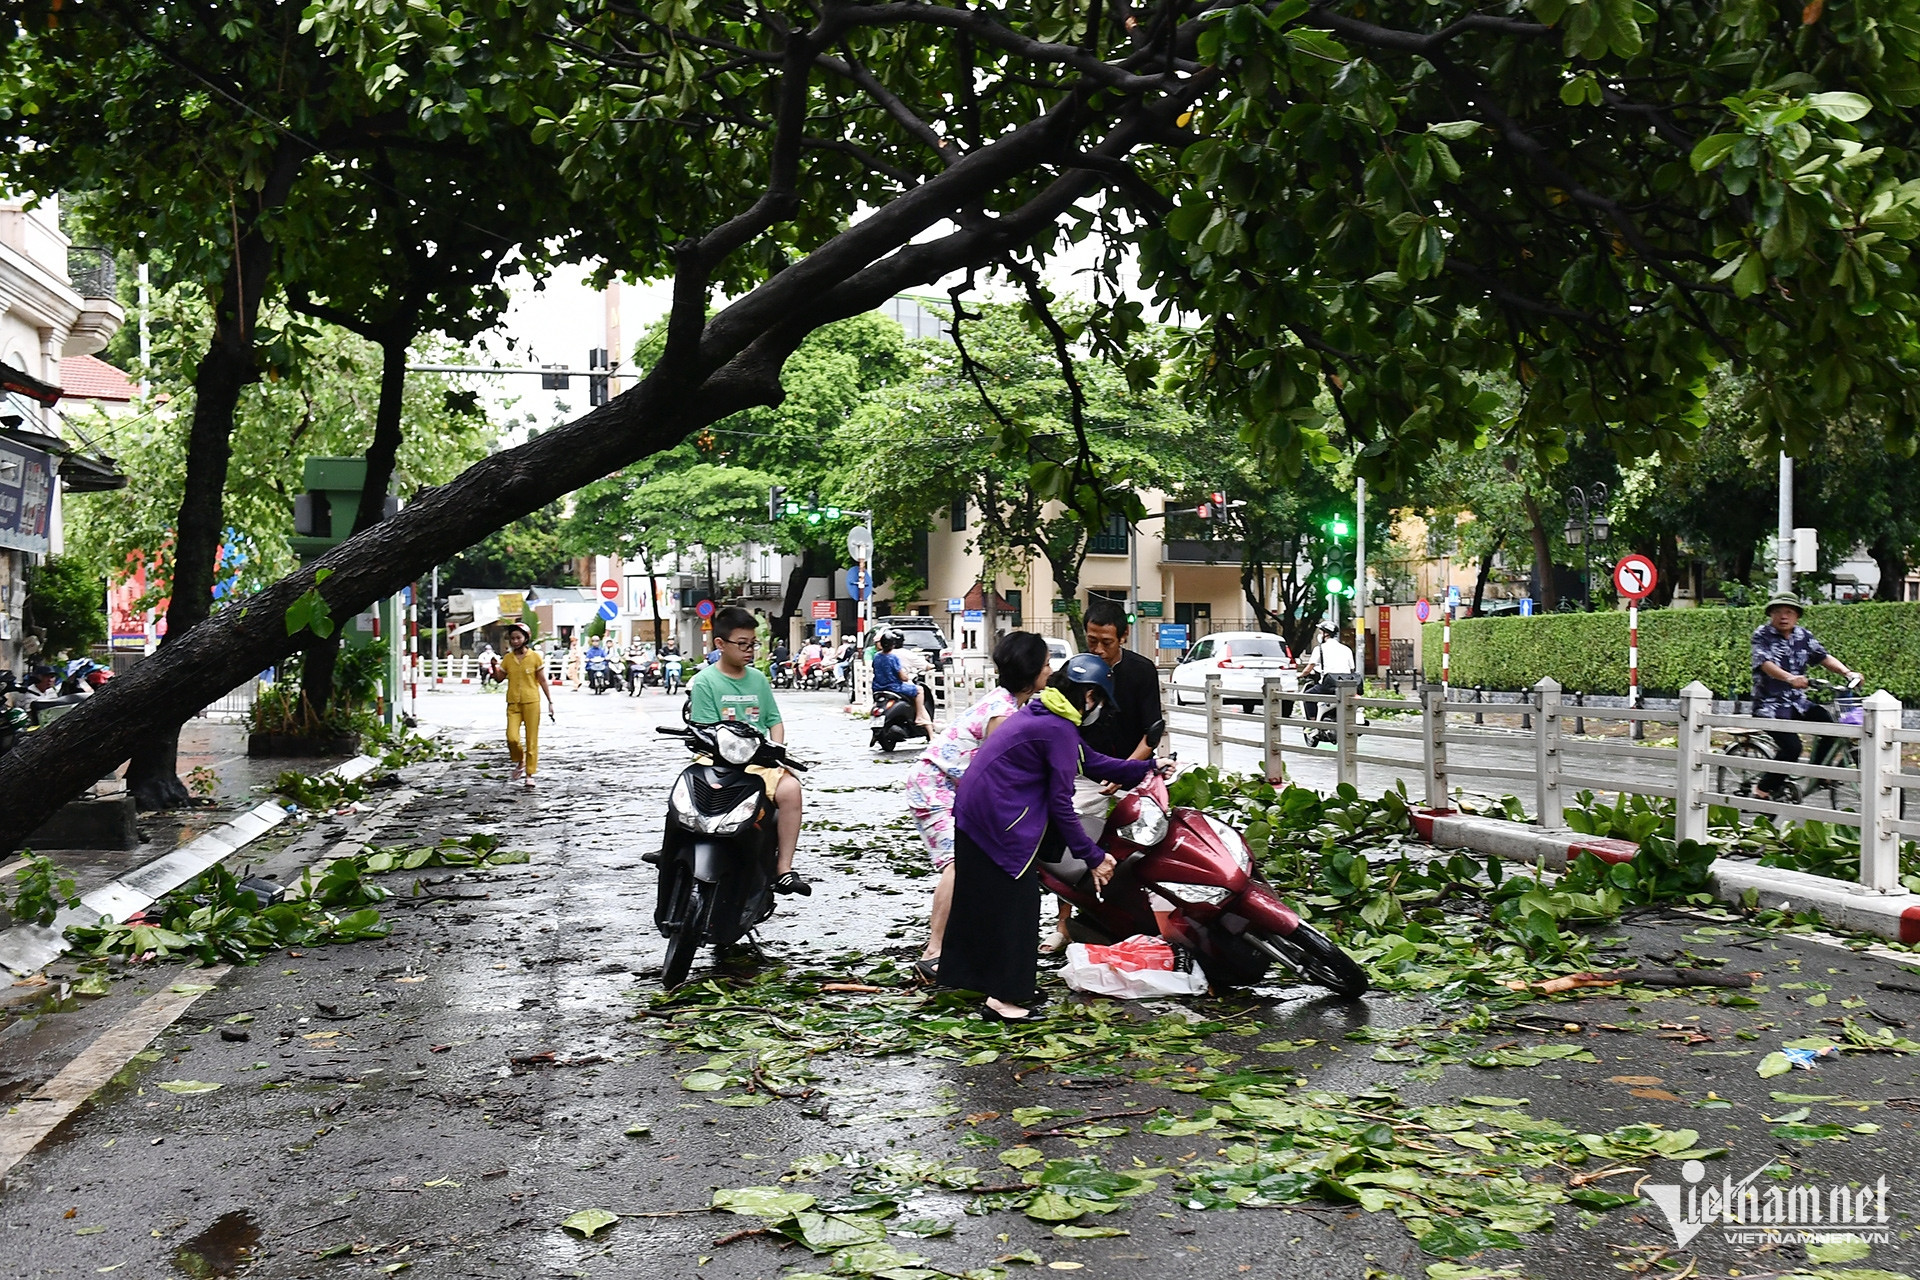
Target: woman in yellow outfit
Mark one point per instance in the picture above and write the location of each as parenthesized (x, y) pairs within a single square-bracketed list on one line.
[(526, 676)]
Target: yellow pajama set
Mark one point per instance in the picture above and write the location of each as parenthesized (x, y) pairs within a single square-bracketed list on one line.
[(526, 672)]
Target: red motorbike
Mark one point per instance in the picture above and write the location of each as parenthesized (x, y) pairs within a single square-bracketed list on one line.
[(1188, 878)]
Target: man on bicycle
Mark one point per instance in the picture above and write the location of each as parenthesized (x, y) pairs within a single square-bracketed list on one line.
[(1782, 652)]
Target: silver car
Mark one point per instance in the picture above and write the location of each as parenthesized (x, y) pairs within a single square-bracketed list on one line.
[(1244, 661)]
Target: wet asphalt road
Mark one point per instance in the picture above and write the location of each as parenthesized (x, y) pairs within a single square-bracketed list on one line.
[(375, 1114)]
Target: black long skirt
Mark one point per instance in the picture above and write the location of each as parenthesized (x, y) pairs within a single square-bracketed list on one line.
[(993, 928)]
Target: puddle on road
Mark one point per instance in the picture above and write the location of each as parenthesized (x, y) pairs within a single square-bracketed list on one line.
[(222, 1249)]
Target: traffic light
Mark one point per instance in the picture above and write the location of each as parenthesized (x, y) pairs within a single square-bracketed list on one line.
[(777, 503), (1337, 528), (597, 380), (1333, 586), (1204, 511)]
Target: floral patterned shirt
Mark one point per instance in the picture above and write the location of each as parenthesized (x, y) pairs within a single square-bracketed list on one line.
[(1795, 653)]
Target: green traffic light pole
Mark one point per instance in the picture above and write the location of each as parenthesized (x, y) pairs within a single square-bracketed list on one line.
[(1133, 568)]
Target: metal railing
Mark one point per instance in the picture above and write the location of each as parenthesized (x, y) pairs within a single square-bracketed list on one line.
[(1553, 761), (234, 704)]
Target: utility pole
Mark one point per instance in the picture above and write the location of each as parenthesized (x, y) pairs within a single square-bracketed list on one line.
[(1360, 597), (433, 630), (1783, 560), (1133, 582)]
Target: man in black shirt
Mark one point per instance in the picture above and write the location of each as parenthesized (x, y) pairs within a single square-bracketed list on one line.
[(1121, 731)]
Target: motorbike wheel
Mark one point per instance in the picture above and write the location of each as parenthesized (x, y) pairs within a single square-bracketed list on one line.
[(695, 910), (1319, 960), (1238, 964)]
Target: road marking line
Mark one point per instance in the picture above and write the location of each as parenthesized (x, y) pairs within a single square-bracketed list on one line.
[(29, 1122)]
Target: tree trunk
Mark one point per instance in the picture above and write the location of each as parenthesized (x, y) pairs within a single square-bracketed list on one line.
[(1892, 560), (51, 766), (1486, 571), (323, 653), (1542, 556), (653, 600), (228, 367)]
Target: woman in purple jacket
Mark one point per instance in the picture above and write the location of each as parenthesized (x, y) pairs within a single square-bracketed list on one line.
[(1014, 808)]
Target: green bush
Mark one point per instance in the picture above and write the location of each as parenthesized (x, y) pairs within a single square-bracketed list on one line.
[(1588, 651)]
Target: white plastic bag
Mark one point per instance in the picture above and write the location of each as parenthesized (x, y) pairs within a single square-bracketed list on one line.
[(1140, 968)]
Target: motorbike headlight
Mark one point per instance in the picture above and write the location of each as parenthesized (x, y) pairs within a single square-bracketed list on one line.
[(680, 800), (738, 816), (736, 747), (1148, 828), (1236, 845)]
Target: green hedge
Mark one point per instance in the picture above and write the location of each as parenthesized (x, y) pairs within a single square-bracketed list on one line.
[(1588, 651)]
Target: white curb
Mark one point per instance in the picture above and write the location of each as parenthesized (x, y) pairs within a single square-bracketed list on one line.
[(28, 948)]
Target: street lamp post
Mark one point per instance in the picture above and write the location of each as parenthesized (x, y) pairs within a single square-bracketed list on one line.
[(1587, 523)]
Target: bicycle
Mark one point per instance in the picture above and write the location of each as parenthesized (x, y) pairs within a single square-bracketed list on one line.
[(1836, 753)]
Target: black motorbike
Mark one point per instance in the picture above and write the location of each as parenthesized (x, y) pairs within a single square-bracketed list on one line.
[(893, 720), (601, 678), (717, 857)]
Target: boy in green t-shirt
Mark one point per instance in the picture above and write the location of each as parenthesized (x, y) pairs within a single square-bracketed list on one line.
[(732, 690)]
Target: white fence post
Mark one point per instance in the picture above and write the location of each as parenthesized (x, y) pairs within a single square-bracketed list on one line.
[(1346, 770), (1695, 742), (1547, 805), (1879, 797), (1275, 762), (1433, 746), (1216, 749)]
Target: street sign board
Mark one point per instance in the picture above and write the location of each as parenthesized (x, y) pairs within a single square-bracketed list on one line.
[(1526, 606), (823, 610), (860, 543), (857, 583), (1635, 576), (1453, 595), (1422, 610), (704, 608), (609, 610), (974, 615), (956, 604), (823, 628), (610, 589), (1152, 608), (1173, 635)]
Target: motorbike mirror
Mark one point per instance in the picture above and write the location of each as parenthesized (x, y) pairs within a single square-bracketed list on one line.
[(1156, 731), (686, 709)]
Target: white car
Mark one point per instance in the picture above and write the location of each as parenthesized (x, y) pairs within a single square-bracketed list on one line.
[(1243, 660), (1058, 652)]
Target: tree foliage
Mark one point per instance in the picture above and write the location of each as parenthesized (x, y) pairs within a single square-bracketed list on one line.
[(1603, 200)]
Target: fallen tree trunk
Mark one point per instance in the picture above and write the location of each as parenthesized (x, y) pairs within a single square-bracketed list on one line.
[(54, 764)]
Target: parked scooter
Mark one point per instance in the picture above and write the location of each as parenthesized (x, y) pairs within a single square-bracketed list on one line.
[(893, 721), (717, 858), (1188, 878)]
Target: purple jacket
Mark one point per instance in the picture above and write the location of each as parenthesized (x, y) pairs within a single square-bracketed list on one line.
[(1021, 780)]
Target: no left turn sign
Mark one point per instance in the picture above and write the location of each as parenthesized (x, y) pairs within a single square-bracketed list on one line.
[(1635, 576)]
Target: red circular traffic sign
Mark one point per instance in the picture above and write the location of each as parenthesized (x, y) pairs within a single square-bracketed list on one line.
[(1422, 610), (1635, 576), (610, 589), (705, 608)]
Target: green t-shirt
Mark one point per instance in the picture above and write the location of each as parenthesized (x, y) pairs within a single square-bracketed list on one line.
[(718, 696)]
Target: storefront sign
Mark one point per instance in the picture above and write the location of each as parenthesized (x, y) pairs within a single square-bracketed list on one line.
[(26, 497)]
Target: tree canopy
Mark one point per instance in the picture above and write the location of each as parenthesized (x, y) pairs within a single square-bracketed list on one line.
[(1601, 199)]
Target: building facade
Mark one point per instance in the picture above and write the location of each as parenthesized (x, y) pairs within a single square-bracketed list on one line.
[(56, 307)]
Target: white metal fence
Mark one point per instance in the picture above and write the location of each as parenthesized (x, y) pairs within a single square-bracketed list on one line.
[(235, 704), (1712, 751)]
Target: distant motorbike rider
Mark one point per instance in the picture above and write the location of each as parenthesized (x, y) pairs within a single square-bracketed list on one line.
[(889, 678), (599, 672)]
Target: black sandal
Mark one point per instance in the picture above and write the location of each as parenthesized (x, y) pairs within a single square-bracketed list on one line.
[(790, 882), (992, 1014), (927, 969)]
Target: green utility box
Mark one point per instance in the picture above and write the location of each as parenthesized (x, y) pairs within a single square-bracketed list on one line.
[(323, 516)]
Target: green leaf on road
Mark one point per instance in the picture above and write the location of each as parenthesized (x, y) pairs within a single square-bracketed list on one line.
[(589, 1222), (188, 1086), (770, 1203), (1839, 1249), (1774, 1064), (1050, 1206), (827, 1232), (1088, 1233)]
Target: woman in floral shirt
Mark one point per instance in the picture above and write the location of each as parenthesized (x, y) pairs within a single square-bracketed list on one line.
[(1020, 661)]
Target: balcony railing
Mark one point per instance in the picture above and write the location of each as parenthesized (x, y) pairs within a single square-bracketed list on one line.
[(1200, 551), (90, 268)]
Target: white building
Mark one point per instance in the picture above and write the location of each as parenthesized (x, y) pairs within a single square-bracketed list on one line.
[(56, 305)]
